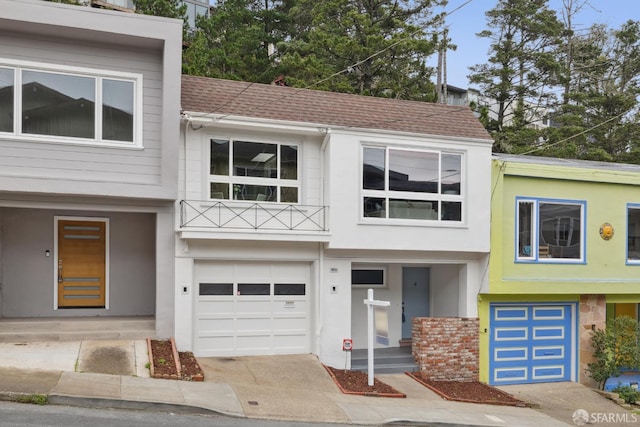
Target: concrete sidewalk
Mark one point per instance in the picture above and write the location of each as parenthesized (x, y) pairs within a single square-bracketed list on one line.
[(260, 387)]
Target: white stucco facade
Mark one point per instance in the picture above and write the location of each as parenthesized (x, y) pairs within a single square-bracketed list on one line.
[(453, 256)]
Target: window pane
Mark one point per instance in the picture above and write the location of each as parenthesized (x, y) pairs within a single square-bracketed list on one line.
[(289, 195), (254, 289), (413, 209), (289, 162), (451, 173), (259, 193), (373, 172), (219, 157), (255, 159), (374, 276), (413, 171), (525, 224), (560, 229), (375, 207), (219, 190), (633, 234), (216, 289), (289, 289), (117, 110), (57, 104), (6, 100), (451, 211)]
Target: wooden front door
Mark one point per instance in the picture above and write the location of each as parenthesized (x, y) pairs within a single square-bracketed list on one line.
[(81, 263)]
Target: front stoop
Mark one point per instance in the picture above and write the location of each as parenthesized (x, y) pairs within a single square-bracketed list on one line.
[(389, 360)]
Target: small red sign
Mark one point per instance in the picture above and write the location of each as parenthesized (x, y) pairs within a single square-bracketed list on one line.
[(347, 344)]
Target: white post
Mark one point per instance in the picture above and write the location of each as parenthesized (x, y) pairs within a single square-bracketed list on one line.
[(370, 335), (370, 302)]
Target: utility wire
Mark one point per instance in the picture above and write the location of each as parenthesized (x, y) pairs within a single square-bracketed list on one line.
[(544, 147), (346, 70)]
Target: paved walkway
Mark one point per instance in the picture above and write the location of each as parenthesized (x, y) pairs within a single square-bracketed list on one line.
[(260, 387)]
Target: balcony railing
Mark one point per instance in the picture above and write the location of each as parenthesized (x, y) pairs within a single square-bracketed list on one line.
[(254, 216)]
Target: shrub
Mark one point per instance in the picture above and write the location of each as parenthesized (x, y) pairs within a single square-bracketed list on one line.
[(615, 348), (627, 393)]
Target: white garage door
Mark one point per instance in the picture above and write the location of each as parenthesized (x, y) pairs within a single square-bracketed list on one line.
[(246, 309)]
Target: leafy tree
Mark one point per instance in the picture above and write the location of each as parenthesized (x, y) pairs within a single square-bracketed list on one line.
[(381, 44)]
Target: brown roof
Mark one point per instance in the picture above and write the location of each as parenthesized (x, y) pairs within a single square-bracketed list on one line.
[(208, 95)]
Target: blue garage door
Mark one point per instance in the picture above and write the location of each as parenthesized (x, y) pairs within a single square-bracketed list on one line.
[(531, 343)]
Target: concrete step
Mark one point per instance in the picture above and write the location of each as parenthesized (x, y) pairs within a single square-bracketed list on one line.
[(386, 360), (76, 329)]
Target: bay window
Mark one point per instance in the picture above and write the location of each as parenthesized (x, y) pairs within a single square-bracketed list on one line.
[(411, 184), (257, 171), (69, 104), (550, 230)]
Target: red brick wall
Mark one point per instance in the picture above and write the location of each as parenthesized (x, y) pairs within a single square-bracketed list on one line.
[(446, 348)]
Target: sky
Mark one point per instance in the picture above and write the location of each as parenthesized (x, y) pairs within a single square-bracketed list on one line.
[(470, 19)]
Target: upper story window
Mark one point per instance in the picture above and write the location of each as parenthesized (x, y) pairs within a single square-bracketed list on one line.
[(633, 233), (550, 230), (78, 106), (412, 184), (258, 171)]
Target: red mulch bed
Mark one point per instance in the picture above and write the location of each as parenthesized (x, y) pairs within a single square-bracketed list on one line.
[(356, 382), (470, 392), (164, 365)]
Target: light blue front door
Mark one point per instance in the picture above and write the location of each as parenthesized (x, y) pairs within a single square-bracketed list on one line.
[(531, 343), (415, 296)]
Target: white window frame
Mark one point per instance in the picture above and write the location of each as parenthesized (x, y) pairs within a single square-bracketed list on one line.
[(534, 253), (438, 197), (98, 75), (248, 180)]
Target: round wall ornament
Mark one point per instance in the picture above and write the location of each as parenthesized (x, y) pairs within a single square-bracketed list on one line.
[(606, 231)]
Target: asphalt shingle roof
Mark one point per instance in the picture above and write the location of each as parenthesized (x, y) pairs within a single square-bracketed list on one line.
[(207, 95)]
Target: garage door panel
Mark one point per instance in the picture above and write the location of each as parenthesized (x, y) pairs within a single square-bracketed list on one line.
[(531, 343), (251, 308)]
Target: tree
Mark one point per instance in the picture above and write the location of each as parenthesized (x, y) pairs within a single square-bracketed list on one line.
[(366, 47), (167, 8), (522, 66), (601, 101), (233, 41)]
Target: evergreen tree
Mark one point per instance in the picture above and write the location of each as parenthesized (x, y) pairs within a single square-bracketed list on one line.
[(382, 45), (521, 68), (233, 41)]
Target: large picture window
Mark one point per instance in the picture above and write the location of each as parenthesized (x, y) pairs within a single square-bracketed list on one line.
[(70, 106), (633, 233), (257, 171), (550, 230), (411, 184)]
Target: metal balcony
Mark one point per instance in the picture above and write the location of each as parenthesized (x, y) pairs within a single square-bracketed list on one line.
[(197, 214)]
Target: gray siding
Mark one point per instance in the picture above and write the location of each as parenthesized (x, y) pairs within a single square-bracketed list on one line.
[(28, 275), (49, 33)]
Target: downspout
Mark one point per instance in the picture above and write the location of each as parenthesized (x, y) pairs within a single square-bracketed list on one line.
[(320, 300)]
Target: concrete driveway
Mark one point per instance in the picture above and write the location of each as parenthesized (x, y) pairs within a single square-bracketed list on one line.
[(562, 400)]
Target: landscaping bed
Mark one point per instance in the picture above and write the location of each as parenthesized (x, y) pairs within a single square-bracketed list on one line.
[(168, 363)]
